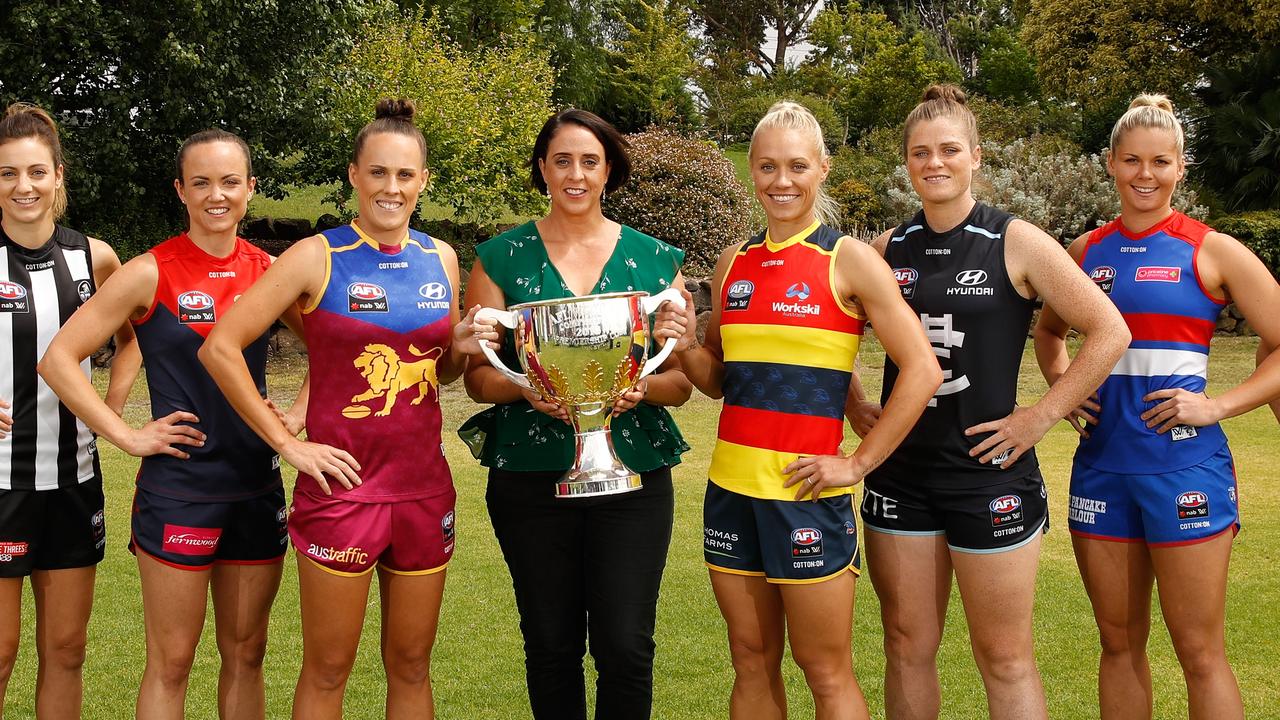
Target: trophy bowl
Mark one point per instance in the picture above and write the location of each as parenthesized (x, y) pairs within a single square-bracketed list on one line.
[(584, 353)]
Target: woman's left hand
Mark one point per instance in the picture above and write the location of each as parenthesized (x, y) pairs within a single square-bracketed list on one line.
[(631, 398), (470, 332), (818, 472), (292, 423), (1180, 407)]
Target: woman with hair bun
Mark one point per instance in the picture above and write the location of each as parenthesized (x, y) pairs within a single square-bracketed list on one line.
[(51, 502), (208, 512), (383, 335), (1153, 487), (963, 493), (780, 537)]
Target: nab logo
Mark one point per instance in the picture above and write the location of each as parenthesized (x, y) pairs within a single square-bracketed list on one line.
[(366, 297), (970, 278), (432, 291), (806, 542), (799, 290), (739, 295), (1193, 504), (13, 298), (906, 278), (1105, 277), (195, 307)]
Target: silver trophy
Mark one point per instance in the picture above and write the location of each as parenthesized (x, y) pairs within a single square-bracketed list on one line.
[(583, 353)]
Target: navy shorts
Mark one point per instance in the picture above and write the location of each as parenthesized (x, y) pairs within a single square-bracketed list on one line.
[(51, 529), (1180, 507), (992, 519), (195, 535), (786, 541)]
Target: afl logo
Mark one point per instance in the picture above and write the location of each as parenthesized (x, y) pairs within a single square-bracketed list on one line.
[(1193, 504), (740, 295), (806, 542), (971, 277), (433, 291), (195, 300), (1105, 277), (1006, 504), (905, 276), (366, 291), (11, 291)]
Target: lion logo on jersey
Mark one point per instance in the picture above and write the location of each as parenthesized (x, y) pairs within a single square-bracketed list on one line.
[(387, 375)]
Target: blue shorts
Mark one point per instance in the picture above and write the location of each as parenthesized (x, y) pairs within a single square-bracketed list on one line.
[(1180, 507), (783, 540), (195, 535)]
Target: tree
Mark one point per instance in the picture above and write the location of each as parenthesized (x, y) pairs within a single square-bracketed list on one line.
[(129, 80), (480, 111), (1237, 138), (653, 66), (742, 26)]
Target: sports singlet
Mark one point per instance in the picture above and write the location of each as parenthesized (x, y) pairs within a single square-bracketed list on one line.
[(375, 334), (1152, 279), (977, 323), (789, 345), (48, 447), (193, 290)]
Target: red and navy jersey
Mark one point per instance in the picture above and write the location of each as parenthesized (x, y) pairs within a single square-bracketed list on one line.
[(789, 345), (1151, 277), (374, 335), (193, 290)]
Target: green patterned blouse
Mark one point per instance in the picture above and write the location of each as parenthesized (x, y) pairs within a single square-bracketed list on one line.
[(516, 437)]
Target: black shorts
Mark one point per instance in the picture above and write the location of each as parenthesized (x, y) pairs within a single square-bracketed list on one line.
[(991, 519), (51, 529), (194, 535), (786, 541)]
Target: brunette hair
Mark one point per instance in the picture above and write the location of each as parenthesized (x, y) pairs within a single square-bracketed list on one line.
[(1149, 110), (942, 101), (391, 116), (211, 136), (615, 147), (794, 116), (23, 120)]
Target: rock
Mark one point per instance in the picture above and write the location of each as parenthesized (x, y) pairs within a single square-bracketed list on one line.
[(328, 221), (704, 318), (258, 229), (292, 229)]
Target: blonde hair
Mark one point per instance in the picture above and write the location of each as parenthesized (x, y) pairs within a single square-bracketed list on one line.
[(24, 120), (940, 101), (788, 115), (1149, 110)]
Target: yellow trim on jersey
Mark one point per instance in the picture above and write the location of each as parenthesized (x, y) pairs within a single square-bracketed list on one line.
[(730, 460), (411, 573), (831, 279), (790, 345), (794, 239), (814, 581), (414, 241), (331, 571), (731, 571), (370, 241)]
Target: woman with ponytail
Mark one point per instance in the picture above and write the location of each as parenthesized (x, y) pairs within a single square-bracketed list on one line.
[(963, 494), (373, 490), (208, 512), (51, 502), (1153, 487), (780, 537)]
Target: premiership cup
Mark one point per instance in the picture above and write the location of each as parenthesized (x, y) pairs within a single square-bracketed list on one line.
[(583, 353)]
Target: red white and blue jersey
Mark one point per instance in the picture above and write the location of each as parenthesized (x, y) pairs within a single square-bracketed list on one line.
[(193, 290), (374, 335), (1152, 278), (789, 345)]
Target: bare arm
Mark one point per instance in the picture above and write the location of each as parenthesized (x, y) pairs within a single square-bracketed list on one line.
[(1038, 264), (1264, 350), (128, 358), (861, 412), (1050, 341), (129, 292), (703, 365)]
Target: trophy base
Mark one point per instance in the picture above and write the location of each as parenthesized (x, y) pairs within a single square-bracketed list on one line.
[(579, 484)]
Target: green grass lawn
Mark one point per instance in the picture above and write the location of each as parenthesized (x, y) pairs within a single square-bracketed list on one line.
[(478, 667)]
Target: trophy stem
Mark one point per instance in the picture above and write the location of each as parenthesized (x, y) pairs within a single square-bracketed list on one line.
[(596, 468)]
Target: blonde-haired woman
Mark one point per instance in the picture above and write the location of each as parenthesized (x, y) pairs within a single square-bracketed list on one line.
[(963, 493), (1153, 490), (780, 537)]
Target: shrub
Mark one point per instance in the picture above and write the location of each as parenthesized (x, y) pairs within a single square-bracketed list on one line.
[(1259, 231), (859, 204), (684, 191), (741, 119)]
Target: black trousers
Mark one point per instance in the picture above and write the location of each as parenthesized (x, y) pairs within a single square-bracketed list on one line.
[(584, 569)]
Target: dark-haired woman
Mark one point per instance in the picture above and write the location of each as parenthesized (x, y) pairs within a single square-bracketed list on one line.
[(963, 493), (383, 335), (51, 502), (584, 569), (208, 514)]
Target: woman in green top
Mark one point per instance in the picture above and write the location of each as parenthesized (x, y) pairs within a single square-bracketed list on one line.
[(578, 563)]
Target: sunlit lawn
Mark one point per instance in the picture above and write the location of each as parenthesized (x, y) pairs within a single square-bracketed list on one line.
[(477, 666)]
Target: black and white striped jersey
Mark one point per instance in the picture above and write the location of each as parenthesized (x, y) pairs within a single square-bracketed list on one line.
[(39, 289)]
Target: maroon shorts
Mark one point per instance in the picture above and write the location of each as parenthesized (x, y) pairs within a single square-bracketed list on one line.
[(410, 537)]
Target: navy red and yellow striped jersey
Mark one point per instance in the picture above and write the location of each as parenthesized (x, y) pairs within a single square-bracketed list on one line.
[(789, 345)]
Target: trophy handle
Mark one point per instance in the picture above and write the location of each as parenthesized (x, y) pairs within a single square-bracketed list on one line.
[(650, 305), (507, 319)]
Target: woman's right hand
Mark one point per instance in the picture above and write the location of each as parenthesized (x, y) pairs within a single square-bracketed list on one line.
[(679, 323), (1087, 413), (318, 460), (554, 409), (159, 436), (6, 420), (863, 416)]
